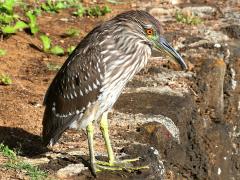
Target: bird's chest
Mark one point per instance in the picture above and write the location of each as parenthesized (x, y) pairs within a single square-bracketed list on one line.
[(117, 75)]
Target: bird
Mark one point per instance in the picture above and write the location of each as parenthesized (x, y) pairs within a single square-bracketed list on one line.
[(94, 75)]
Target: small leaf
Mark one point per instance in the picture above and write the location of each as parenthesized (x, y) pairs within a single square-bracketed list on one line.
[(5, 79), (8, 6), (72, 32), (2, 52), (70, 49), (20, 25), (57, 50), (8, 30), (33, 22), (46, 41)]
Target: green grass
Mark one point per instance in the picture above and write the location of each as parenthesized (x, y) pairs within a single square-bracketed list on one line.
[(5, 79), (6, 152), (187, 19), (16, 163)]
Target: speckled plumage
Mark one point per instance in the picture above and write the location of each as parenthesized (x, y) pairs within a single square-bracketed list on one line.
[(94, 75)]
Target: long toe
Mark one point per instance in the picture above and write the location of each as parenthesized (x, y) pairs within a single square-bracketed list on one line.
[(120, 165)]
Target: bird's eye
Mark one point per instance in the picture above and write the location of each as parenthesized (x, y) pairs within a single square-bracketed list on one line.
[(149, 32)]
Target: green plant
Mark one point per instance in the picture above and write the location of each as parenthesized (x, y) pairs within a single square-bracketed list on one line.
[(72, 32), (46, 41), (9, 21), (80, 11), (33, 171), (55, 6), (6, 152), (11, 29), (5, 79), (98, 11), (187, 19), (53, 67), (33, 22), (70, 49), (6, 6), (92, 11), (16, 163), (57, 50), (2, 52)]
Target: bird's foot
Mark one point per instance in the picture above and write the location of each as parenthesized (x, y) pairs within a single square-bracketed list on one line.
[(119, 165)]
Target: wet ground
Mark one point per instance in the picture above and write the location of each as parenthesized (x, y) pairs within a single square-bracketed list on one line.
[(182, 124)]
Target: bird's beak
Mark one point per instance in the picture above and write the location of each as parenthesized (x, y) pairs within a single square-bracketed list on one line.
[(163, 46)]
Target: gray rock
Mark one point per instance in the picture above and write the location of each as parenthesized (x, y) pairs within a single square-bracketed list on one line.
[(70, 170), (203, 11)]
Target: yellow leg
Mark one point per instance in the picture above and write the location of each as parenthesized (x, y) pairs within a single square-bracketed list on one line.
[(113, 164), (105, 133), (90, 132)]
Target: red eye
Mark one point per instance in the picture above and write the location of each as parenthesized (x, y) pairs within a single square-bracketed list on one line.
[(149, 31)]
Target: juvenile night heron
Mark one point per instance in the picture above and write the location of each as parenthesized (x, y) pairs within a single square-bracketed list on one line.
[(94, 75)]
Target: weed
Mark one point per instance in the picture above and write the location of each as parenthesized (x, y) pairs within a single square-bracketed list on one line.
[(9, 22), (56, 6), (6, 152), (80, 11), (92, 11), (7, 6), (187, 19), (57, 50), (46, 41), (53, 67), (2, 52), (11, 29), (33, 22), (70, 49), (72, 32), (98, 11), (16, 163), (5, 79)]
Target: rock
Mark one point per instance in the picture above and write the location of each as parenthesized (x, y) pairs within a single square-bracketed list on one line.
[(157, 134), (233, 31), (211, 81), (71, 170), (162, 14), (150, 157), (203, 11), (214, 36), (36, 161)]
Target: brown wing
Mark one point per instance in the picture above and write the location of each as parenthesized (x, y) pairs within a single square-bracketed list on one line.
[(75, 86)]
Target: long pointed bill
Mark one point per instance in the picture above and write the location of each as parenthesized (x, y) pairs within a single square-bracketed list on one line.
[(163, 46)]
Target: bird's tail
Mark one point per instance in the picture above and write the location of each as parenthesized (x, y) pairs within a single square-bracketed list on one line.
[(53, 127)]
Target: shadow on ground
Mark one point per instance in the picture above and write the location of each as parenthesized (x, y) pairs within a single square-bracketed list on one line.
[(27, 144)]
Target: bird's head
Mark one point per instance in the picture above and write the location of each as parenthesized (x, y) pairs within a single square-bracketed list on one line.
[(149, 30)]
